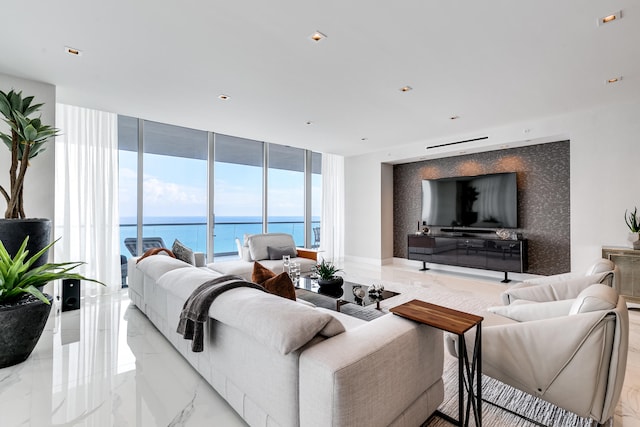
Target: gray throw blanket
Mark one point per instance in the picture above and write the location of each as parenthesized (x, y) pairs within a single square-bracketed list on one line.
[(195, 310)]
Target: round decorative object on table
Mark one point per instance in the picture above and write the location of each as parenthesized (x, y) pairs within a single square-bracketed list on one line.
[(375, 292), (358, 292), (503, 234)]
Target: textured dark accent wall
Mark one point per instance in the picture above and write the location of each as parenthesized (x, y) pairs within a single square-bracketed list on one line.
[(543, 197)]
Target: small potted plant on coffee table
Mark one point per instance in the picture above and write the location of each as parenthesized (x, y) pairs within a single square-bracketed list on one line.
[(327, 275)]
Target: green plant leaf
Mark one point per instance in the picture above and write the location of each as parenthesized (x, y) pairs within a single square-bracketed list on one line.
[(30, 133), (36, 293), (15, 98), (5, 106)]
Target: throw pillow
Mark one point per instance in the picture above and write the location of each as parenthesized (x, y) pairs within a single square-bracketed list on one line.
[(261, 273), (155, 251), (183, 253), (278, 253), (596, 297), (280, 285)]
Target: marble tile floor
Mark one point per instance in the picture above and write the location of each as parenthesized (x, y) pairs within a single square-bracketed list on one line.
[(107, 365)]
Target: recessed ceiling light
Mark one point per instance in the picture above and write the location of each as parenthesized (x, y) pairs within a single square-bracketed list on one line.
[(610, 18), (317, 36), (72, 51), (614, 80), (405, 88), (224, 97)]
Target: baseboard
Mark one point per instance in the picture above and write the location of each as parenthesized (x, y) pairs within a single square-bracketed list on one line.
[(363, 260)]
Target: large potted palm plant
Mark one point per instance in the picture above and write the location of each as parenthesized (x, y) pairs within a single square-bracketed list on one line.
[(24, 309), (26, 139)]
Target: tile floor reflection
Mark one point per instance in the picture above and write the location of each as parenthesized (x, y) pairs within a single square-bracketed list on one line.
[(107, 365)]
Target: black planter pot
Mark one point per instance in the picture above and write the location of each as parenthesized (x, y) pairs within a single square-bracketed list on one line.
[(13, 232), (333, 283), (21, 324)]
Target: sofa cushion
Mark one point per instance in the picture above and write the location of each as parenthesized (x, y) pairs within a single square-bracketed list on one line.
[(238, 268), (268, 319), (183, 252), (156, 266), (278, 253), (183, 282), (594, 298), (533, 311), (259, 243)]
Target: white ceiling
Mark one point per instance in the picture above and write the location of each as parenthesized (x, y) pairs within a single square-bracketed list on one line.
[(489, 62)]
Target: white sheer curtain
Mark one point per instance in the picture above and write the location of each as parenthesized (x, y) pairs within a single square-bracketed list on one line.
[(332, 219), (86, 215)]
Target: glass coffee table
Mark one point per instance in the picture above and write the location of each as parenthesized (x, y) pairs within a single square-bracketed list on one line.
[(348, 293)]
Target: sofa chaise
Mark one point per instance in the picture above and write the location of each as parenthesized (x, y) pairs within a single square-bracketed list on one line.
[(280, 362), (267, 249)]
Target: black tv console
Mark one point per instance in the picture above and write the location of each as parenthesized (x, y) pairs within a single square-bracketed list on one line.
[(487, 253)]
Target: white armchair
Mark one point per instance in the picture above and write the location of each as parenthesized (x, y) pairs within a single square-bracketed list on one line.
[(571, 353), (562, 286)]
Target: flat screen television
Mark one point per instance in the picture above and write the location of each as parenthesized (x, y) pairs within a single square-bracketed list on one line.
[(484, 201)]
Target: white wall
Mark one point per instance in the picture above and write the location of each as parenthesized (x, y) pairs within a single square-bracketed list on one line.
[(39, 185), (604, 179)]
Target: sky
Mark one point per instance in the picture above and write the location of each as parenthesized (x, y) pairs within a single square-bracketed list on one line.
[(177, 186)]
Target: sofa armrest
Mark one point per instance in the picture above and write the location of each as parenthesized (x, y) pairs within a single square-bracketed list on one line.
[(394, 359), (552, 290), (307, 253), (556, 278)]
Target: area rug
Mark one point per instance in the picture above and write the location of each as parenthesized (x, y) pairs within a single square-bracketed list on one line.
[(434, 291), (541, 412)]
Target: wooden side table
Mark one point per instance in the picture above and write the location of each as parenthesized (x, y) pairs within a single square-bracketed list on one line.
[(456, 322)]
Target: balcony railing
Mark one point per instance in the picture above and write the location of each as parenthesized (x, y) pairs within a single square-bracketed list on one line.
[(194, 235)]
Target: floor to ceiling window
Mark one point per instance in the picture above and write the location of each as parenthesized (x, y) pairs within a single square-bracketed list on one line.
[(174, 201), (238, 182), (207, 190), (286, 196), (128, 179), (316, 198)]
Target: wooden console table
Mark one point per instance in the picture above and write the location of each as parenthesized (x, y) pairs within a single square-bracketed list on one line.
[(456, 322)]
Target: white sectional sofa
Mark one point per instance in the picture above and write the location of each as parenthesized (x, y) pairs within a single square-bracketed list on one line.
[(279, 362)]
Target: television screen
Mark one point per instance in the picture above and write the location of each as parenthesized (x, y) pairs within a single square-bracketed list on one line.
[(484, 201)]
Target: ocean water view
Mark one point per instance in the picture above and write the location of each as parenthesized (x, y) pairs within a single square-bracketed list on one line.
[(192, 231)]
